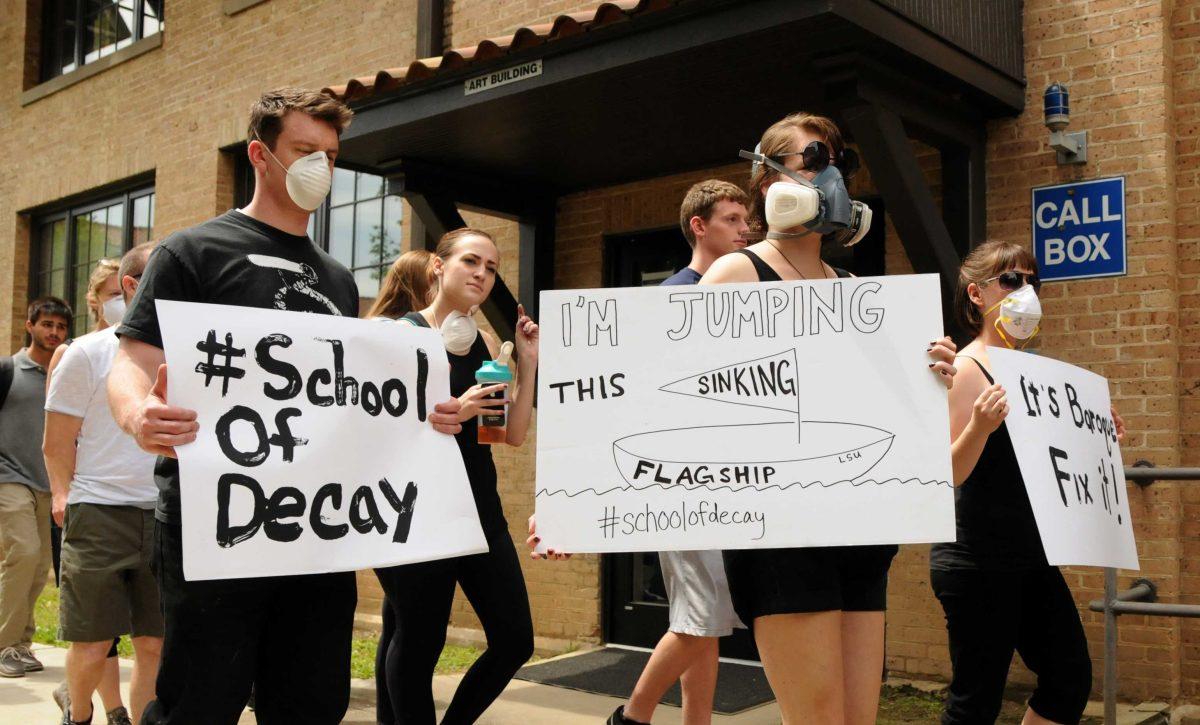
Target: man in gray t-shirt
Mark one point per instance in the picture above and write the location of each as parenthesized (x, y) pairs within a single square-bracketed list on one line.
[(24, 487)]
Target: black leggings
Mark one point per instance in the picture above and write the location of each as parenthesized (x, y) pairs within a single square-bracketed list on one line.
[(421, 596), (990, 614)]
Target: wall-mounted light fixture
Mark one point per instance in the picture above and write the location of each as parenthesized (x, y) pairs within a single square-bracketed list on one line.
[(1056, 105)]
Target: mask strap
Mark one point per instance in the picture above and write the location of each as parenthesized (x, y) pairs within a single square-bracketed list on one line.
[(268, 150), (776, 166)]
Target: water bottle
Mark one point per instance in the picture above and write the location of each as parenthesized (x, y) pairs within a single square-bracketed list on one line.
[(493, 426)]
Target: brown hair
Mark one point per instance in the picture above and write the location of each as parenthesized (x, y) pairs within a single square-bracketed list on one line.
[(445, 245), (984, 262), (406, 286), (267, 113), (49, 307), (133, 263), (780, 138), (104, 271), (702, 198)]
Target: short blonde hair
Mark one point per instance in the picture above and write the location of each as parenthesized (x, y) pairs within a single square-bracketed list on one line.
[(702, 198), (103, 272)]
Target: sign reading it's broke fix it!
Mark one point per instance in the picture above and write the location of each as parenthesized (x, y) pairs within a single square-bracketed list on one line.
[(1079, 229)]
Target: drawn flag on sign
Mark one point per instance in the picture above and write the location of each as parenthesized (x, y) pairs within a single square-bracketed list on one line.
[(767, 382)]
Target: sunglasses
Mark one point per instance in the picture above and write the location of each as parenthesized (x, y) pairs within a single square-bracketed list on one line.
[(817, 157), (1014, 280)]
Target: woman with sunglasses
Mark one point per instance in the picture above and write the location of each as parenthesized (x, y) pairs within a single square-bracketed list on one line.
[(817, 612), (997, 590)]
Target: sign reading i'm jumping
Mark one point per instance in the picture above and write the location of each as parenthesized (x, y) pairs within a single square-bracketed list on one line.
[(742, 416), (1079, 229)]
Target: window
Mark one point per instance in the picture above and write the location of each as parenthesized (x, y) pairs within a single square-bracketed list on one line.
[(69, 243), (358, 224), (78, 32), (362, 229)]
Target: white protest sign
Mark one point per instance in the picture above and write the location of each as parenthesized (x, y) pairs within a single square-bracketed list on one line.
[(1062, 431), (742, 416), (314, 452)]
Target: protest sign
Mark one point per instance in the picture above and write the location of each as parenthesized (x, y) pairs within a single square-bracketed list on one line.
[(742, 415), (1063, 433), (315, 453)]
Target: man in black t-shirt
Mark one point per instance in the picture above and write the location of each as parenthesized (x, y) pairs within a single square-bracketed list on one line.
[(289, 637)]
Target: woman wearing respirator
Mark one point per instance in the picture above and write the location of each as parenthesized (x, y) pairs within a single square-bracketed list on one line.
[(817, 612), (995, 586), (464, 267)]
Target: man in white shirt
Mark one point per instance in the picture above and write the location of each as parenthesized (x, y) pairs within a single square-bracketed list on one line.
[(103, 485)]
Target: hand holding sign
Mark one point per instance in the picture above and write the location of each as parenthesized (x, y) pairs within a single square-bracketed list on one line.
[(158, 427), (990, 409)]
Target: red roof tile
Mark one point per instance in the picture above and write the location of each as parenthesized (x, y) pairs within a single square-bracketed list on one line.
[(525, 38)]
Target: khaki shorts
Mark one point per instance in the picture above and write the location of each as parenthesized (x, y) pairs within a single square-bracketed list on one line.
[(107, 587)]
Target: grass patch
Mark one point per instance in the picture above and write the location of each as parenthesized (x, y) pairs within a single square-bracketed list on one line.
[(907, 704), (454, 658), (362, 649)]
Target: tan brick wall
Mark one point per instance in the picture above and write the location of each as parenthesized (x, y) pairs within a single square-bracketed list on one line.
[(1185, 37), (1133, 67), (470, 21)]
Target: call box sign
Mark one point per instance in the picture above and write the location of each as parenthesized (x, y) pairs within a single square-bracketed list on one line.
[(1079, 229)]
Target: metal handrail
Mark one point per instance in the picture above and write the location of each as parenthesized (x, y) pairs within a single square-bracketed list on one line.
[(1140, 598)]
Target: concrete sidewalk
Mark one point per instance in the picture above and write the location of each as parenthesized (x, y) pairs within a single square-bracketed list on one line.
[(27, 700)]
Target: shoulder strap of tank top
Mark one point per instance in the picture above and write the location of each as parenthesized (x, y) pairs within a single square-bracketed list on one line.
[(986, 374), (840, 272), (765, 273), (416, 318)]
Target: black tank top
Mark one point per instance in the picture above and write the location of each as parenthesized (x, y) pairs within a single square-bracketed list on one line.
[(767, 274), (477, 457), (993, 519)]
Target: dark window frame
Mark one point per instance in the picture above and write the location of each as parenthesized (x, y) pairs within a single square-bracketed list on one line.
[(58, 15), (68, 213)]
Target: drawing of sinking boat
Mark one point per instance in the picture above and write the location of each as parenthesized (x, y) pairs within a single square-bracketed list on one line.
[(755, 455), (780, 454)]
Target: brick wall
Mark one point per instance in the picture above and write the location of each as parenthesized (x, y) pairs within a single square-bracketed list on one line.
[(1185, 42), (1132, 67)]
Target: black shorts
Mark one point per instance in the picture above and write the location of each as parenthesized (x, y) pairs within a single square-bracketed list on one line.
[(816, 579)]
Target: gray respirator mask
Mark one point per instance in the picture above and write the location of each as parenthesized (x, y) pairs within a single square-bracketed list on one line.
[(822, 205)]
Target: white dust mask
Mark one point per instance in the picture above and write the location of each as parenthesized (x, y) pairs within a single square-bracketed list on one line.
[(308, 179), (1020, 315), (459, 332), (114, 310)]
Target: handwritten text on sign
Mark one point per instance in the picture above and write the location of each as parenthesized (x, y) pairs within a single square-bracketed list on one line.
[(739, 416), (1062, 430), (315, 453)]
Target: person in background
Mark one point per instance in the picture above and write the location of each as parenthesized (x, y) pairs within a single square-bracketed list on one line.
[(713, 219), (423, 593), (104, 298), (103, 493), (25, 555), (408, 285), (995, 586)]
